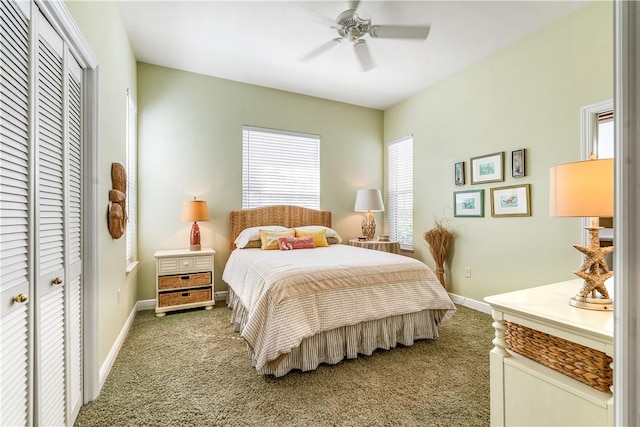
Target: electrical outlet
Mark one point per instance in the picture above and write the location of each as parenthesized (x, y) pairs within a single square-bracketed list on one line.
[(467, 272), (118, 296)]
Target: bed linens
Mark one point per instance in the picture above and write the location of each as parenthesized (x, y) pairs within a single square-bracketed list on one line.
[(292, 295)]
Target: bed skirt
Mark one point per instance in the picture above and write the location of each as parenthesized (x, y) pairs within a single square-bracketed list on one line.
[(330, 347)]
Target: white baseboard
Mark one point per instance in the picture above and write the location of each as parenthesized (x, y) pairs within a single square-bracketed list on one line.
[(115, 349), (147, 304), (220, 296), (470, 303)]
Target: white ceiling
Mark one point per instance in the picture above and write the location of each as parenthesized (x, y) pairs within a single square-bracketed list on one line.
[(263, 42)]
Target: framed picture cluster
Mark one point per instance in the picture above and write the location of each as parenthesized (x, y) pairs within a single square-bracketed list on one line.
[(506, 201), (512, 200), (490, 168)]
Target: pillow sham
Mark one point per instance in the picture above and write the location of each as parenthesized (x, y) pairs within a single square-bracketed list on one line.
[(319, 237), (291, 243), (331, 234), (253, 233), (270, 238)]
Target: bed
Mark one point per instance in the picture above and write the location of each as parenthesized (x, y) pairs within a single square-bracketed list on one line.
[(297, 309)]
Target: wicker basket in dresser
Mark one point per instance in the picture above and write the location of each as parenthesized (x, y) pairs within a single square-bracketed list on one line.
[(184, 279)]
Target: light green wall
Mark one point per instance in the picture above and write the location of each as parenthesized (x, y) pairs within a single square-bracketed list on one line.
[(102, 26), (190, 144), (526, 96)]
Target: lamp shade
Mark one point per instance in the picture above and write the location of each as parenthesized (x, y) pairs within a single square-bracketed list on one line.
[(583, 188), (369, 200), (195, 210)]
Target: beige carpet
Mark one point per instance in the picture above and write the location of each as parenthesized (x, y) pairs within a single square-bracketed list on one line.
[(190, 369)]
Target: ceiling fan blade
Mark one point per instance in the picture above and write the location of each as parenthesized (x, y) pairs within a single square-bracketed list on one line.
[(353, 4), (364, 56), (322, 49), (312, 14), (399, 31)]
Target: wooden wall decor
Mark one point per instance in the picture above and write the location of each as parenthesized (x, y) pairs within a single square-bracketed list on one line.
[(117, 217)]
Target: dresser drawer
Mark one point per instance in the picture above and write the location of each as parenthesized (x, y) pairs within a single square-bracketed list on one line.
[(184, 280), (174, 265), (167, 299)]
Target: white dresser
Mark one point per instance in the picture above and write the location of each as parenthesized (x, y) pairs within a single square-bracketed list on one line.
[(526, 392)]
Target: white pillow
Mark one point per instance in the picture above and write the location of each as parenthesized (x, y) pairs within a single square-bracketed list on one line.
[(330, 232), (253, 233)]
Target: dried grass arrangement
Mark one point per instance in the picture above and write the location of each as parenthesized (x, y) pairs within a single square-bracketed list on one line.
[(439, 239)]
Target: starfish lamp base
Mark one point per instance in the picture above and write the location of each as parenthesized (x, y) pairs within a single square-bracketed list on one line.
[(599, 304), (594, 271)]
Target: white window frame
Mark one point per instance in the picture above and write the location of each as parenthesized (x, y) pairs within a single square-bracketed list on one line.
[(400, 183), (589, 143), (131, 234), (280, 168), (589, 126)]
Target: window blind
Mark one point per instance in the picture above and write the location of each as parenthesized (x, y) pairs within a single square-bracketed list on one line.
[(280, 168), (132, 179), (400, 191)]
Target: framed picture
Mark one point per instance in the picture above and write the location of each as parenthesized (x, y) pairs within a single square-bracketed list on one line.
[(468, 203), (458, 173), (517, 163), (514, 200), (487, 168)]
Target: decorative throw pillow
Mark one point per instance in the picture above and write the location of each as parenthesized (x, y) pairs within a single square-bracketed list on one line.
[(290, 243), (270, 238), (253, 244), (333, 241), (252, 234), (319, 237), (332, 235)]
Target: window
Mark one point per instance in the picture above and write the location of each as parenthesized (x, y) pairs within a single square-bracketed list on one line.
[(597, 135), (132, 193), (400, 191), (280, 168), (604, 136)]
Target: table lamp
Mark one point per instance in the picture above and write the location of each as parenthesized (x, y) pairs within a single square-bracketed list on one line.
[(195, 210), (368, 201), (586, 189)]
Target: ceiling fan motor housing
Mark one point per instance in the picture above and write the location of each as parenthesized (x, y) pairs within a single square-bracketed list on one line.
[(352, 27)]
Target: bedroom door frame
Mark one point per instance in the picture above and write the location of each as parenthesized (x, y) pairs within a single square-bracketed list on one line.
[(59, 17), (626, 382)]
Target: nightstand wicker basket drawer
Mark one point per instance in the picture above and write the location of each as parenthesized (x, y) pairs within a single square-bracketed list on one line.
[(184, 280), (166, 299), (587, 365)]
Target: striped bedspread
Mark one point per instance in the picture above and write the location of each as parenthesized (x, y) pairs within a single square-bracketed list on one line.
[(292, 295)]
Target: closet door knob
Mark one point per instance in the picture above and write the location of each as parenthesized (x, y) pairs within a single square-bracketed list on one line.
[(20, 298), (57, 281)]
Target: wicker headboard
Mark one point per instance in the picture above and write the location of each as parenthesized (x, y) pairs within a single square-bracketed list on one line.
[(285, 215)]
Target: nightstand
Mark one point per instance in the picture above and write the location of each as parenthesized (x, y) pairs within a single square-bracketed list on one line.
[(393, 247), (184, 279), (549, 356)]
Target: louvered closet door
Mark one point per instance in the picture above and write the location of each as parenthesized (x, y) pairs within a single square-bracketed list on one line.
[(50, 401), (41, 223), (73, 233), (15, 263)]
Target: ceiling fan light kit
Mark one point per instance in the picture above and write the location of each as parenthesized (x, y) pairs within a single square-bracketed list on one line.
[(352, 27)]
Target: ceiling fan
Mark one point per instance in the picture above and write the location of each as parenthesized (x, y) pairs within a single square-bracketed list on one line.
[(353, 27)]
